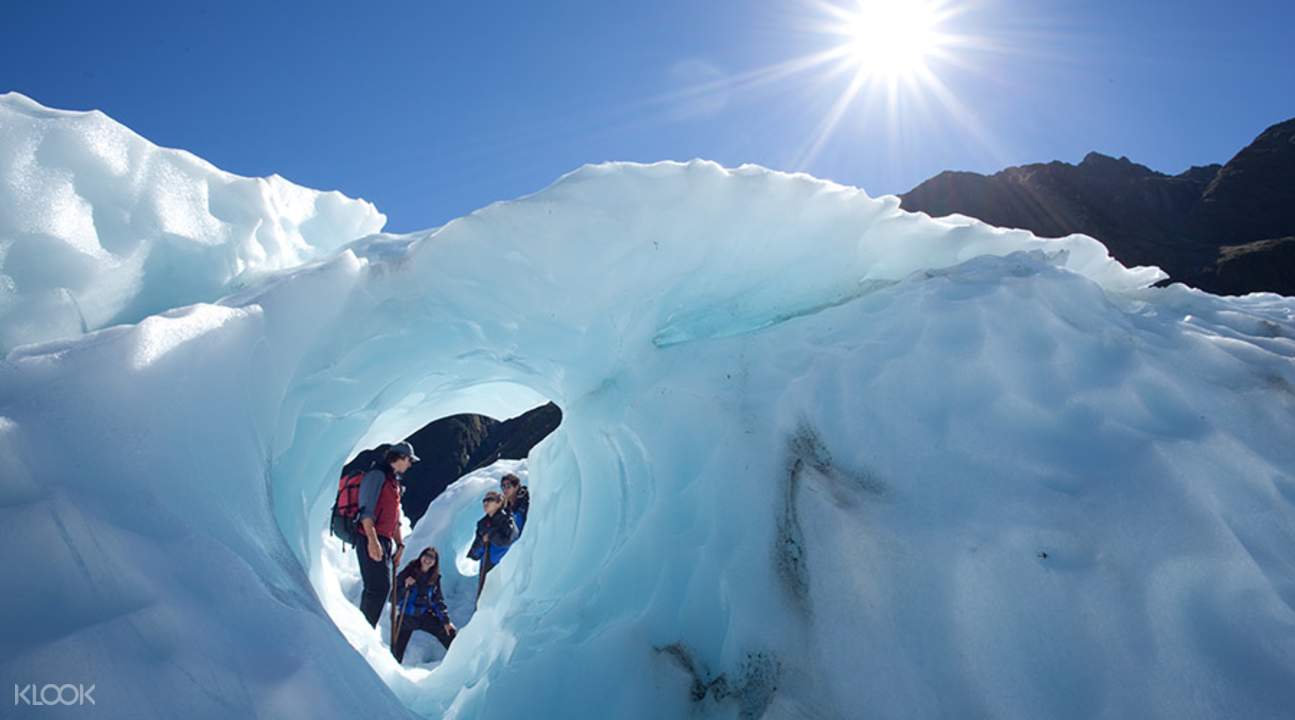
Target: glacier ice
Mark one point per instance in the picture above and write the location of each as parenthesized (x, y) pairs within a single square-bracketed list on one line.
[(819, 458), (98, 226)]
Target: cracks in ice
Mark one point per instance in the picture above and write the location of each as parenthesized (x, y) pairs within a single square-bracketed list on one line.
[(752, 689), (807, 451)]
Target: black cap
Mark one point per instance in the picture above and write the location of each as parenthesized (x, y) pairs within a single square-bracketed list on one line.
[(403, 448)]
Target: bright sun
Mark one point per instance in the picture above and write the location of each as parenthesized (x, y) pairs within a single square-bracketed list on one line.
[(884, 61), (891, 51), (890, 38)]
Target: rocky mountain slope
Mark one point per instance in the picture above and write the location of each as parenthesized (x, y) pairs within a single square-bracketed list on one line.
[(1217, 227)]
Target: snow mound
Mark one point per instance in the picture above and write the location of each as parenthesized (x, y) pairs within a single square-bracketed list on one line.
[(98, 226), (819, 458)]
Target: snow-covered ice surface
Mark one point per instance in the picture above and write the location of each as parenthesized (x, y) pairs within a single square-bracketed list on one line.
[(99, 226), (819, 458)]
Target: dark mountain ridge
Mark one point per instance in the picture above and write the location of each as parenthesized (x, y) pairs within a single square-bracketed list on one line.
[(1223, 228)]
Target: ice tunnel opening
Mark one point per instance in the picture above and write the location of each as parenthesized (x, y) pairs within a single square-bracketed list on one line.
[(462, 456), (303, 495)]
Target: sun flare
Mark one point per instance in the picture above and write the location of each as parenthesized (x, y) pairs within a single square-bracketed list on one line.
[(890, 37), (892, 53), (881, 64)]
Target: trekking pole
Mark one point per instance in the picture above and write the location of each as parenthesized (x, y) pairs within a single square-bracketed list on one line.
[(400, 616), (481, 576), (393, 600)]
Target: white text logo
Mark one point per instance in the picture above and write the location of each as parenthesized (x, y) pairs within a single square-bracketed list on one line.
[(51, 694)]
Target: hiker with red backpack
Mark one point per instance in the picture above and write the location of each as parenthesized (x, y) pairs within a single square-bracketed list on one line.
[(367, 513)]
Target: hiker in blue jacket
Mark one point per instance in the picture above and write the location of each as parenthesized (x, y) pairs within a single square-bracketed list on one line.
[(496, 531), (424, 605), (517, 499)]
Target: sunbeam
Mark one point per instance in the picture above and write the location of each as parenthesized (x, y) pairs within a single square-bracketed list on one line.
[(881, 60)]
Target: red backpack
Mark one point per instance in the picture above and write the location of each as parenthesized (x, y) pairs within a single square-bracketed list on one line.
[(346, 509)]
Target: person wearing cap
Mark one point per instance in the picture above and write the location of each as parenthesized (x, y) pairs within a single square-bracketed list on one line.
[(379, 524), (495, 532)]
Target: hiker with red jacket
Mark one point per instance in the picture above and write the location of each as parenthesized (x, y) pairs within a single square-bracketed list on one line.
[(495, 532), (379, 527), (424, 603)]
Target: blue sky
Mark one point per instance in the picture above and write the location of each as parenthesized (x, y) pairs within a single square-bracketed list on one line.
[(433, 108)]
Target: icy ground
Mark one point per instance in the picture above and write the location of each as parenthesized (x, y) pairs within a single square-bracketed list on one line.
[(819, 458)]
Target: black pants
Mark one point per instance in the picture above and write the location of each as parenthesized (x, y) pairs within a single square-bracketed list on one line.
[(376, 576), (426, 622)]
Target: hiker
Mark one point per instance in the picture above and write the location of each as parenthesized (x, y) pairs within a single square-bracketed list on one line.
[(517, 499), (495, 532), (379, 527), (424, 605)]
